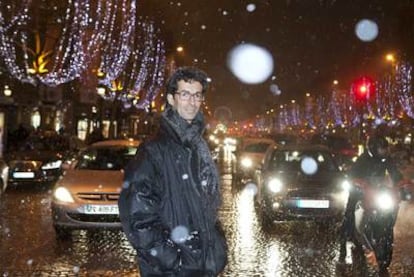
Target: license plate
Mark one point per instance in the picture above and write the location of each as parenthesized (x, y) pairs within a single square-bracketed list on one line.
[(318, 204), (101, 209), (23, 175)]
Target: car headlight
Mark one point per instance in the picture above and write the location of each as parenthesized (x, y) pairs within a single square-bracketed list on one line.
[(52, 165), (246, 162), (275, 185), (62, 194), (384, 201), (346, 185)]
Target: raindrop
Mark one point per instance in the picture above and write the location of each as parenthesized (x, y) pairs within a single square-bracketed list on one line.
[(179, 234), (185, 176), (125, 185), (225, 13), (366, 30), (153, 252), (30, 262), (275, 90), (204, 183), (309, 252), (250, 63), (309, 165), (251, 7), (251, 188), (203, 27), (76, 269)]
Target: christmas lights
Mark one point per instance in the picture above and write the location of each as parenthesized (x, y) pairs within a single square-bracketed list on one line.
[(86, 33)]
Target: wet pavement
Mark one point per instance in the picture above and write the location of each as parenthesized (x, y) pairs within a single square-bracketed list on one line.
[(28, 246)]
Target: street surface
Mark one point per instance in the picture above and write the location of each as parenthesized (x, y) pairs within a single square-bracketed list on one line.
[(28, 246)]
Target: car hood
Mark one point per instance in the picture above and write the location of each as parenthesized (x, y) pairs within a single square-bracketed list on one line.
[(34, 156), (87, 181)]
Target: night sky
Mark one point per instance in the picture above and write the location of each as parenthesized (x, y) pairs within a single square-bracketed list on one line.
[(312, 43)]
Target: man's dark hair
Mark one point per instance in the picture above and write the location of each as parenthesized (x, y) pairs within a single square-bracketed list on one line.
[(187, 74)]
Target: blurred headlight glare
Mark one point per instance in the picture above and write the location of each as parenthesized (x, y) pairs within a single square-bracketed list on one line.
[(52, 165), (246, 162), (384, 201), (275, 185), (346, 185), (62, 194)]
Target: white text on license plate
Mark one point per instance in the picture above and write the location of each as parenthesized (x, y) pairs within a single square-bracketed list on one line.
[(101, 209), (318, 204)]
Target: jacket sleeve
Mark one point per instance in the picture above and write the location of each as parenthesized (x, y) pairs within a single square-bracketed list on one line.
[(139, 205)]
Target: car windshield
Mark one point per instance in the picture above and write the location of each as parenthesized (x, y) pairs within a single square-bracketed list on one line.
[(106, 158), (46, 143), (256, 147), (293, 160)]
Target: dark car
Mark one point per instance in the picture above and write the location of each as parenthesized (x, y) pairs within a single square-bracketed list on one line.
[(37, 161), (300, 182)]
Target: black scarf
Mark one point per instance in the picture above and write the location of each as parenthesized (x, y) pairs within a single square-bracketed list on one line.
[(191, 134)]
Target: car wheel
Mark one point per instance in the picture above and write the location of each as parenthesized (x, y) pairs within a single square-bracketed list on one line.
[(62, 232)]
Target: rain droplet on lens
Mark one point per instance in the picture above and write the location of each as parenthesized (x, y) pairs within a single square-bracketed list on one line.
[(250, 63), (125, 185), (251, 7), (309, 166), (179, 234), (153, 252), (251, 188), (366, 30)]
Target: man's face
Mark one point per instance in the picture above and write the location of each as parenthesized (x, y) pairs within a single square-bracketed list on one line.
[(186, 108)]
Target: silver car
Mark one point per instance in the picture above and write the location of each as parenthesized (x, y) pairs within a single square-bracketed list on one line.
[(87, 194)]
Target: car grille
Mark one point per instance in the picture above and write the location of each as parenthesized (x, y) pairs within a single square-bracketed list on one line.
[(98, 196), (308, 193), (95, 218)]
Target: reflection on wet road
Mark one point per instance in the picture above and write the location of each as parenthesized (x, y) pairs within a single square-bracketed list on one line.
[(28, 246)]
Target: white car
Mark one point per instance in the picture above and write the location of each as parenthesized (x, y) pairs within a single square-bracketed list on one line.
[(87, 194)]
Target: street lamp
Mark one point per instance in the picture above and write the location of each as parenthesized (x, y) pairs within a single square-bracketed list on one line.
[(7, 91), (101, 90), (390, 58), (179, 49)]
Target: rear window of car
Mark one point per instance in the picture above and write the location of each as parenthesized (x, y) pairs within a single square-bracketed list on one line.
[(292, 160), (106, 158)]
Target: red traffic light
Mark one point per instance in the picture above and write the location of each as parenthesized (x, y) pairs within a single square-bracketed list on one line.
[(363, 88)]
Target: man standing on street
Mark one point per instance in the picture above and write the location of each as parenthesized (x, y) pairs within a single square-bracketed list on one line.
[(170, 197)]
